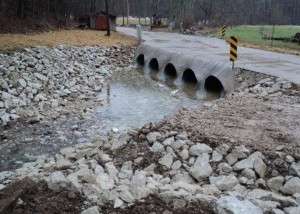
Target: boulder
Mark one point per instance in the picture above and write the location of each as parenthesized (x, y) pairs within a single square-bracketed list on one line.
[(266, 206), (157, 148), (249, 162), (277, 211), (223, 149), (295, 169), (216, 156), (292, 210), (125, 194), (201, 168), (126, 170), (169, 141), (260, 167), (6, 175), (292, 186), (166, 160), (176, 165), (248, 173), (2, 187), (184, 154), (276, 183), (224, 168), (178, 144), (105, 181), (234, 205), (57, 181), (271, 196), (153, 136), (91, 210), (224, 183), (199, 149), (138, 185)]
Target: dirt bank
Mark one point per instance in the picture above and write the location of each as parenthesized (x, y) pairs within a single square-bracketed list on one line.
[(261, 114), (27, 197)]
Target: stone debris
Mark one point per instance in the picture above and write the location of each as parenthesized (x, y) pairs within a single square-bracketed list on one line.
[(91, 210), (233, 205), (41, 78), (198, 149), (233, 189), (292, 186), (166, 163), (188, 172), (224, 183), (201, 168)]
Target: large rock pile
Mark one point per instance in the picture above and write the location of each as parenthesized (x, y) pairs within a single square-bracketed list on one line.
[(39, 79), (232, 179), (167, 162)]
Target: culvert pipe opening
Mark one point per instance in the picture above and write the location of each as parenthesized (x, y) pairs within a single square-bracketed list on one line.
[(170, 71), (153, 64), (189, 77), (141, 60), (214, 85)]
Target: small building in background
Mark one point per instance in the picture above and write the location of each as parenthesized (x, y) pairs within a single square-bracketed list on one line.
[(99, 21)]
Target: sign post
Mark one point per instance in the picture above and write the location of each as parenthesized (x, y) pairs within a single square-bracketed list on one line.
[(233, 41), (139, 33)]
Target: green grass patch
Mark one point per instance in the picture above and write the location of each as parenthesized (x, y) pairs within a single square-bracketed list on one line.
[(254, 35)]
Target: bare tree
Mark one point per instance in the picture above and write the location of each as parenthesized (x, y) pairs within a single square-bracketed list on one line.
[(107, 17)]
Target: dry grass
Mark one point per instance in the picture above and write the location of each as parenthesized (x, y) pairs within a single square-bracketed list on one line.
[(67, 37)]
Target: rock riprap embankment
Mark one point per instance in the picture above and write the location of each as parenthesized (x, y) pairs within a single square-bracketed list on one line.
[(182, 170), (37, 80)]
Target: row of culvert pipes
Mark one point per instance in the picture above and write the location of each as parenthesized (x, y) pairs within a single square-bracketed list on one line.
[(181, 70)]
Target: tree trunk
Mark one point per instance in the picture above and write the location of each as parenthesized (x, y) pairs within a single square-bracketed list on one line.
[(107, 17), (123, 11), (20, 9), (1, 6), (128, 11)]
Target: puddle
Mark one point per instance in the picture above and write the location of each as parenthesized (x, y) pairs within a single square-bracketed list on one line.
[(131, 99)]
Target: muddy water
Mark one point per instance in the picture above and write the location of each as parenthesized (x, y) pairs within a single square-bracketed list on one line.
[(133, 99), (130, 99)]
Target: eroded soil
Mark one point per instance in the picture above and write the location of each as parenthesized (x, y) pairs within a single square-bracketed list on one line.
[(155, 205), (29, 197)]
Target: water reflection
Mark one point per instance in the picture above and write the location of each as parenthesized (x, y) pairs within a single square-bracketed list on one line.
[(135, 99)]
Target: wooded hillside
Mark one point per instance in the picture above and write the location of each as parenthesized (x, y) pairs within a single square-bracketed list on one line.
[(207, 11)]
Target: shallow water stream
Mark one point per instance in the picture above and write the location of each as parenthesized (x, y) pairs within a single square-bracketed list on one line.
[(130, 99)]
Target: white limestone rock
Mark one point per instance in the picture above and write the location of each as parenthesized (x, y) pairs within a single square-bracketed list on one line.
[(166, 160), (201, 168), (249, 162), (157, 148), (292, 186), (153, 136), (199, 149), (105, 181), (275, 183), (233, 205), (169, 141), (224, 183), (292, 210), (57, 181), (91, 210)]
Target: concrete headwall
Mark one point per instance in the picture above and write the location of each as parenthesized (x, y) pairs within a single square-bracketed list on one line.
[(209, 74)]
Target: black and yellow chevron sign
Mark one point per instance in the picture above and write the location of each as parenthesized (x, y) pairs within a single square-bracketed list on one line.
[(223, 31), (233, 48)]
